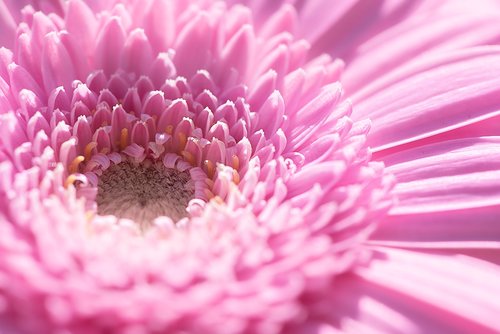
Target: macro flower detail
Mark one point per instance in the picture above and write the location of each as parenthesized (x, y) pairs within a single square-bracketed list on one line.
[(197, 167), (187, 184)]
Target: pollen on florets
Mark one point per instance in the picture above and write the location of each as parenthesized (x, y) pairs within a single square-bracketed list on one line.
[(227, 129)]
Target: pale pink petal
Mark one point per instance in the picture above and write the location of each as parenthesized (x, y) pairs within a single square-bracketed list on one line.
[(57, 66), (328, 35), (476, 228), (410, 292), (433, 30), (455, 174), (194, 37), (160, 24), (458, 91), (450, 211), (7, 26), (11, 15), (110, 42), (138, 54), (238, 52), (81, 25), (440, 282)]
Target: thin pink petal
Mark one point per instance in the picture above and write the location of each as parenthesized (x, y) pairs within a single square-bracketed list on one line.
[(138, 53), (7, 26), (452, 94), (195, 36), (410, 292), (110, 42), (460, 228), (57, 66), (456, 174), (82, 24), (438, 286), (448, 26), (238, 52)]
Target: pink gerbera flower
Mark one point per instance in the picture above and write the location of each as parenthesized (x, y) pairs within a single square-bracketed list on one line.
[(195, 166)]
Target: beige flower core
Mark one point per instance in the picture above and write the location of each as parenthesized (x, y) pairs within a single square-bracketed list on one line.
[(143, 192)]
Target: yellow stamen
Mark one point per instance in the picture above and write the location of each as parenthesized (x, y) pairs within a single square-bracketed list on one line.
[(170, 129), (236, 162), (123, 138), (70, 180), (105, 150), (182, 141), (209, 194), (218, 200), (209, 182), (210, 168), (88, 149), (236, 177), (189, 157), (89, 215), (73, 167)]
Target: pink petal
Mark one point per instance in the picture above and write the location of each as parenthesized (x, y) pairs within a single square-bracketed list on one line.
[(140, 135), (282, 20), (154, 103), (81, 23), (160, 24), (195, 36), (21, 79), (308, 119), (270, 115), (162, 69), (138, 53), (448, 26), (110, 42), (451, 175), (7, 25), (458, 91), (57, 66), (460, 229), (455, 214), (263, 88), (433, 291), (238, 51), (316, 21)]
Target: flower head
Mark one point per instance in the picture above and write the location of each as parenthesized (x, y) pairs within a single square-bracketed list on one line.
[(203, 173)]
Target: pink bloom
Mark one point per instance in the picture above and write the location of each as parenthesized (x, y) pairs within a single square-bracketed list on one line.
[(194, 166)]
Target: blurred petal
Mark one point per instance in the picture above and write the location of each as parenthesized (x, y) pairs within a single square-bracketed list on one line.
[(410, 292), (451, 92), (451, 26), (455, 174)]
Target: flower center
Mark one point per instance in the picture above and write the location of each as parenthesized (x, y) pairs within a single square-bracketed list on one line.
[(143, 192)]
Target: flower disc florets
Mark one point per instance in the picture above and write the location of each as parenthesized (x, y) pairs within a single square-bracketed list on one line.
[(276, 180)]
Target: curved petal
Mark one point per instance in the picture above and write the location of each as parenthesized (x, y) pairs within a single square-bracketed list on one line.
[(476, 228), (461, 89), (452, 175), (409, 292), (460, 220), (7, 26), (11, 15), (445, 26), (327, 31)]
